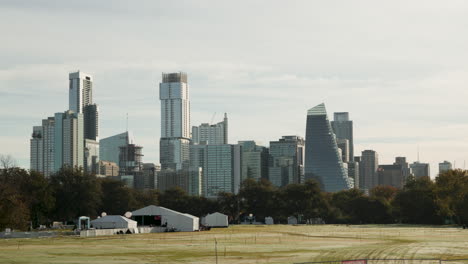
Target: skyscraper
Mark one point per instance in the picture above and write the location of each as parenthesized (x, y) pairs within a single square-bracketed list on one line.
[(91, 122), (286, 161), (420, 169), (445, 166), (216, 134), (69, 140), (175, 121), (81, 91), (369, 164), (343, 129), (36, 150), (109, 148), (323, 161), (254, 160)]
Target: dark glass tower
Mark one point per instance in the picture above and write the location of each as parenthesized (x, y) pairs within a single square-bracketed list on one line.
[(322, 158)]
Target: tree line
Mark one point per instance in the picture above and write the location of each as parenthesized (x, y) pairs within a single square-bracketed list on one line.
[(28, 199)]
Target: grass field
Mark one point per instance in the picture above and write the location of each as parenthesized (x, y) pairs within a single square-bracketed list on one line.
[(247, 244)]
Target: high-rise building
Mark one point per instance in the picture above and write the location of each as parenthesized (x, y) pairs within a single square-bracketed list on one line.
[(91, 156), (353, 172), (109, 148), (81, 91), (323, 160), (175, 121), (69, 140), (368, 176), (130, 159), (91, 122), (445, 166), (254, 161), (216, 134), (404, 166), (286, 161), (148, 179), (343, 129), (222, 170), (420, 169), (108, 169), (391, 175), (343, 145), (42, 147)]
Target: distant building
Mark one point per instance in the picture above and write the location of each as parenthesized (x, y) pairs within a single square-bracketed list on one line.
[(80, 91), (91, 156), (391, 175), (444, 166), (216, 134), (343, 129), (148, 179), (420, 169), (188, 180), (353, 172), (343, 145), (69, 140), (286, 161), (91, 122), (130, 159), (323, 160), (368, 177), (404, 166), (108, 169), (175, 121), (42, 147), (109, 148), (254, 160)]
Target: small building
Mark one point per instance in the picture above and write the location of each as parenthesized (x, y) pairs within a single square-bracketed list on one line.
[(215, 220), (159, 216), (113, 222)]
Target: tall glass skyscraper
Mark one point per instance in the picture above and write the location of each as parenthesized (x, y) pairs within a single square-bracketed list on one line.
[(322, 159), (175, 121), (343, 129)]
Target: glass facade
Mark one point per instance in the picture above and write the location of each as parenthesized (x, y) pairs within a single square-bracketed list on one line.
[(286, 161), (322, 159)]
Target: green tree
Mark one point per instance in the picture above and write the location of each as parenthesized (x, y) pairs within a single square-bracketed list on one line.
[(116, 197), (258, 198), (452, 195)]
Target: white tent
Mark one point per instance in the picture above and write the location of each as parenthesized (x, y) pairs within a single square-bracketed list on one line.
[(292, 220), (269, 220), (158, 215), (113, 221), (215, 220)]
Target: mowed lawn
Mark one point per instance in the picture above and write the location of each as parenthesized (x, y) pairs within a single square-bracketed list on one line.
[(247, 244)]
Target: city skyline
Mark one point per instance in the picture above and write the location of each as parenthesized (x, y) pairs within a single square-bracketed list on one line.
[(392, 91)]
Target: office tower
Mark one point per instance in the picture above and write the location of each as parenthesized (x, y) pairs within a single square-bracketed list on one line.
[(42, 147), (108, 169), (109, 148), (404, 167), (91, 156), (148, 179), (91, 122), (391, 175), (323, 161), (353, 172), (343, 145), (216, 134), (343, 129), (254, 160), (444, 166), (286, 162), (36, 150), (175, 121), (81, 91), (420, 169), (222, 170), (69, 140), (369, 164)]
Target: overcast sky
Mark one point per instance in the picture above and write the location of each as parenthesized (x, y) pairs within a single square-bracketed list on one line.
[(400, 68)]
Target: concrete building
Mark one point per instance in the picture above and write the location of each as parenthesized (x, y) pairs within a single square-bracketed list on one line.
[(343, 129), (254, 160), (343, 145), (108, 169), (42, 150), (286, 161), (323, 160), (420, 169), (216, 134), (109, 148), (391, 175), (68, 140), (175, 121), (404, 166), (353, 172), (445, 166), (369, 164), (148, 179)]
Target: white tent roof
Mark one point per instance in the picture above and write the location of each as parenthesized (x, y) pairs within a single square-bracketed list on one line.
[(113, 219), (217, 213), (155, 210)]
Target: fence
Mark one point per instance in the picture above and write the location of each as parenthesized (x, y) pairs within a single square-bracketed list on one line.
[(391, 261)]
